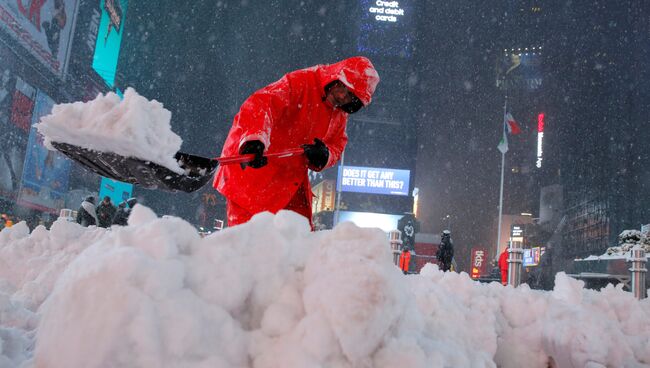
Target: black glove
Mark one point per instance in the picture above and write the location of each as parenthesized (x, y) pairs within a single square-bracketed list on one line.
[(256, 148), (317, 154)]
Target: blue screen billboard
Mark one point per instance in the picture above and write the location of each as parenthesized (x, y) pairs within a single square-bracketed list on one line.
[(116, 190), (373, 180), (109, 39)]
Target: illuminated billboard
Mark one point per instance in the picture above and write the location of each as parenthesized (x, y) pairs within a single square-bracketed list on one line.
[(45, 173), (109, 39), (479, 262), (385, 222), (386, 28), (373, 180), (116, 190), (519, 69), (44, 28)]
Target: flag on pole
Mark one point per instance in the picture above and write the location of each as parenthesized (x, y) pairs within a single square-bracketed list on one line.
[(510, 126), (503, 145)]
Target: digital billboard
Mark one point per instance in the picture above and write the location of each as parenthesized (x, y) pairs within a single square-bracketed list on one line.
[(45, 176), (386, 222), (519, 69), (373, 180), (109, 39), (42, 27), (386, 28), (16, 105), (116, 190), (479, 262)]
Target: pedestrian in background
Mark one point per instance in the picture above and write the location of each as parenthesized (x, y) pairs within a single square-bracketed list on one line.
[(124, 211), (405, 260), (86, 215), (445, 253), (503, 266), (106, 212)]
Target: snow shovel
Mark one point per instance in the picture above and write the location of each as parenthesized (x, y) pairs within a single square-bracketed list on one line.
[(198, 170)]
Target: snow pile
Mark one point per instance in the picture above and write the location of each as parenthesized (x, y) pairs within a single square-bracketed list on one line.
[(30, 264), (133, 127), (270, 293), (627, 240)]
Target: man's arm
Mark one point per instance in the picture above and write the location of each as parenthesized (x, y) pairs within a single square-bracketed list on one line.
[(259, 112)]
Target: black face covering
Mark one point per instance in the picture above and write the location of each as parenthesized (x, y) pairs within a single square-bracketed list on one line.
[(353, 106)]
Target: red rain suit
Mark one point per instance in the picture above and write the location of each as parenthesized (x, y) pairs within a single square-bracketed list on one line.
[(503, 266), (405, 261), (284, 115)]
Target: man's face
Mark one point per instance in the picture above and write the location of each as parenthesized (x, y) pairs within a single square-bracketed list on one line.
[(339, 95)]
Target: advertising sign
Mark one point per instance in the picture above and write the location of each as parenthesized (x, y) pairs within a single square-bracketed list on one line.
[(386, 222), (45, 173), (479, 262), (109, 39), (324, 196), (16, 105), (116, 190), (520, 69), (532, 256), (386, 28), (43, 27), (373, 180)]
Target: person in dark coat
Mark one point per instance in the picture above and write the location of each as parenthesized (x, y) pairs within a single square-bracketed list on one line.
[(445, 253), (105, 212), (124, 210), (86, 215)]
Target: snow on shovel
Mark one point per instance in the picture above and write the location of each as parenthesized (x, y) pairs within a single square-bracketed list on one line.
[(130, 140)]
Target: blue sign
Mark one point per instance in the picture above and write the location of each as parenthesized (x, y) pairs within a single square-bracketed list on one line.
[(373, 180), (45, 173), (109, 39), (116, 190)]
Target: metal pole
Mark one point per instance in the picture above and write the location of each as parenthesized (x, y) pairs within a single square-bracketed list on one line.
[(337, 206), (638, 271), (515, 260), (503, 170)]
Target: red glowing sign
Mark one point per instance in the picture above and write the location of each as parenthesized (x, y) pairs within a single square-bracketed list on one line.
[(540, 122), (479, 262)]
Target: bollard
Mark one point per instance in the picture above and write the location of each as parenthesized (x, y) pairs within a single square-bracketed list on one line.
[(515, 260), (395, 237), (67, 214), (638, 271)]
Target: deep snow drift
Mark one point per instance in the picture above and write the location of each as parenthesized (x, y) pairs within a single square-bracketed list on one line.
[(132, 127), (270, 293)]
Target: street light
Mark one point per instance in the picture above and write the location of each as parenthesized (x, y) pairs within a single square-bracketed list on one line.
[(448, 218)]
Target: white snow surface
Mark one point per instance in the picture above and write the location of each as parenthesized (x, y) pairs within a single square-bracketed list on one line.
[(270, 293), (132, 127)]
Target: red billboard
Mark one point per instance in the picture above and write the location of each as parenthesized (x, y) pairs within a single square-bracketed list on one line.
[(479, 262)]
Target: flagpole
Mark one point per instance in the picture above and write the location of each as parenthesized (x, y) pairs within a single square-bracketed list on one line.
[(503, 167)]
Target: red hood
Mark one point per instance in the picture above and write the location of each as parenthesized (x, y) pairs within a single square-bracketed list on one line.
[(357, 73)]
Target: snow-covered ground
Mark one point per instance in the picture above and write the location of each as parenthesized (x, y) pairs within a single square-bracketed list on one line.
[(132, 127), (270, 293)]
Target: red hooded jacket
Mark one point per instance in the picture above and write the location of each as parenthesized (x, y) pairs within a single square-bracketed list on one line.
[(284, 115)]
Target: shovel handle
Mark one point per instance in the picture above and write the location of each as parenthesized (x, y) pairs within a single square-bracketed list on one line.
[(240, 159)]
